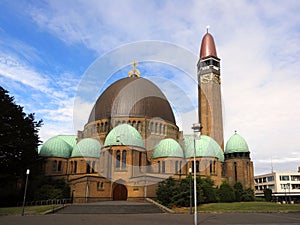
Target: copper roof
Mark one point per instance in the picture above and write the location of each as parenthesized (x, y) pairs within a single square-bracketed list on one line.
[(208, 47), (132, 97)]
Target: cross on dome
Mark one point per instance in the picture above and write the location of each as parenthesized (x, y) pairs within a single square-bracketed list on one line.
[(134, 72)]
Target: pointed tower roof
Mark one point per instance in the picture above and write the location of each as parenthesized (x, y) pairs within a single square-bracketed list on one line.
[(208, 47)]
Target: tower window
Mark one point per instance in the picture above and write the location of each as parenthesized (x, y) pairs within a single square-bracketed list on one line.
[(75, 167), (88, 167), (118, 158), (59, 166), (163, 169), (124, 159), (235, 171)]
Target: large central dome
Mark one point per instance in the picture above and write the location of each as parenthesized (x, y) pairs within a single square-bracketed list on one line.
[(132, 97)]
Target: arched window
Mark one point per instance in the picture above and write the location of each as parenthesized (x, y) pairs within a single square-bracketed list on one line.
[(93, 167), (163, 169), (210, 166), (124, 159), (59, 166), (235, 171), (118, 158), (134, 124), (160, 129), (71, 167), (106, 127), (140, 161), (54, 165), (197, 166), (151, 127), (158, 166), (176, 166), (139, 126), (88, 167), (102, 127), (75, 167), (214, 166), (123, 122), (156, 128)]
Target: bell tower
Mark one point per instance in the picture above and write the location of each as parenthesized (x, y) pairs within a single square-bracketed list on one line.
[(209, 90)]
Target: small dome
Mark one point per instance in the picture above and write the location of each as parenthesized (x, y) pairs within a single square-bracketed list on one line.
[(88, 148), (236, 143), (56, 147), (205, 147), (167, 148), (124, 134), (70, 139)]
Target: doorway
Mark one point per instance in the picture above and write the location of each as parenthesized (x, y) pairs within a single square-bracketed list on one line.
[(120, 193)]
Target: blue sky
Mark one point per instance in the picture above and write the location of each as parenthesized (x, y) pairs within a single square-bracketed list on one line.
[(47, 47)]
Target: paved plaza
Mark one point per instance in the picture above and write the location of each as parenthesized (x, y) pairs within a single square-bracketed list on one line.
[(153, 219)]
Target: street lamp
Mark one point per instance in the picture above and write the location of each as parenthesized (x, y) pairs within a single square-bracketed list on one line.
[(27, 173), (190, 172), (197, 133)]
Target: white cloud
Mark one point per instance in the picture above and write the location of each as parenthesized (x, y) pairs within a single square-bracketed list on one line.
[(257, 41)]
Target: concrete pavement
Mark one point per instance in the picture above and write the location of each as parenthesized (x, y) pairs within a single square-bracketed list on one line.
[(153, 219)]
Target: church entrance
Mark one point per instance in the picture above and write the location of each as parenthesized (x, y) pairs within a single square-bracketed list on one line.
[(120, 192)]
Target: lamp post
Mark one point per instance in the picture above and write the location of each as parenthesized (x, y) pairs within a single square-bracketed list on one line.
[(190, 172), (197, 133), (24, 200)]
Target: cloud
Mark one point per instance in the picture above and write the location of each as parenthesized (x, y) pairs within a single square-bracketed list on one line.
[(257, 41)]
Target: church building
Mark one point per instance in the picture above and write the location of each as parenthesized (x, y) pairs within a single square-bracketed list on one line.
[(131, 141)]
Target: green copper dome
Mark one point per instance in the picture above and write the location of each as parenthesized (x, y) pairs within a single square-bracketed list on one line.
[(167, 148), (124, 134), (205, 147), (236, 143), (56, 147), (88, 148), (70, 139)]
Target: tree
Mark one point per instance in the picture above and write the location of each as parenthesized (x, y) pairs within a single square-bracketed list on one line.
[(226, 193), (248, 195), (268, 194), (238, 191), (19, 141), (166, 191)]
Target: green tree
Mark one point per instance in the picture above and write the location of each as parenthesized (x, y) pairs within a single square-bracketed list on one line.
[(166, 191), (209, 192), (226, 193), (19, 141), (238, 191), (248, 195), (268, 194)]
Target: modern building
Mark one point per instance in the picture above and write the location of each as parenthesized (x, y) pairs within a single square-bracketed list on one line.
[(285, 186), (131, 141)]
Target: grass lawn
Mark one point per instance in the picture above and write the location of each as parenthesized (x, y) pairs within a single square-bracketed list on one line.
[(244, 207), (32, 210)]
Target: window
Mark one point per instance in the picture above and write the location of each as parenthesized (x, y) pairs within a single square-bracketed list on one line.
[(118, 158), (271, 178), (124, 159), (271, 186), (295, 178), (100, 186), (284, 178), (197, 166), (88, 167), (176, 166), (158, 166), (54, 165), (59, 166), (210, 166), (140, 161), (163, 169), (93, 167), (235, 171), (75, 167)]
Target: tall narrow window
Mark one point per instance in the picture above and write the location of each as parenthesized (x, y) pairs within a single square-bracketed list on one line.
[(118, 158), (235, 172), (214, 166), (176, 166), (59, 166), (71, 167), (124, 159), (93, 167), (75, 167), (140, 161), (158, 166), (197, 166), (88, 167), (193, 166), (210, 167), (54, 165), (163, 169)]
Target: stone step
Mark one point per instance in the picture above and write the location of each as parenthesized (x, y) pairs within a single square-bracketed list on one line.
[(111, 208)]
